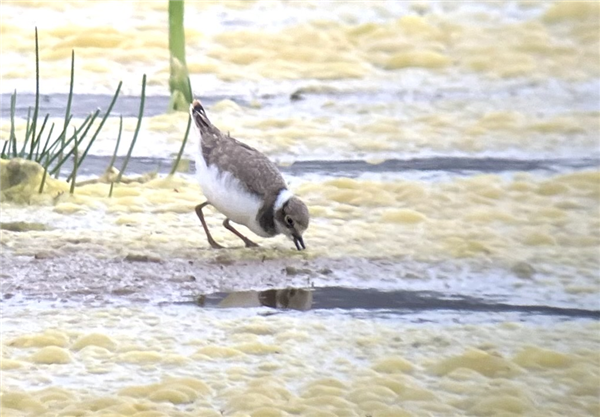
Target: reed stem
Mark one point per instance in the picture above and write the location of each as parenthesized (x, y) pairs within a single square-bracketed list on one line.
[(68, 110), (37, 95), (111, 105), (187, 132), (180, 98), (137, 129), (41, 155), (45, 174), (35, 144), (75, 165), (77, 143), (13, 137), (58, 140), (64, 144), (27, 133), (114, 156)]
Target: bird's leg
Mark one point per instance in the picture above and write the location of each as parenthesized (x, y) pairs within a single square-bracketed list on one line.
[(248, 242), (211, 241)]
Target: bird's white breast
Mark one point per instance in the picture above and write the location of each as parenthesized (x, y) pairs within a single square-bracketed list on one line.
[(227, 194)]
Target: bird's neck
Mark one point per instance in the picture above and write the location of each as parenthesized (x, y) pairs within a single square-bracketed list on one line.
[(282, 198), (271, 206)]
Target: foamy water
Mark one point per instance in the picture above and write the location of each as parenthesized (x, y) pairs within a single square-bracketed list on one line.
[(151, 363)]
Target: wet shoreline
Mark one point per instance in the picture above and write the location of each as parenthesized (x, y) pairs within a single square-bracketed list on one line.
[(397, 284)]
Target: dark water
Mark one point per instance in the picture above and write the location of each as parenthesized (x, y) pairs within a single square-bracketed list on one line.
[(401, 301), (128, 106), (96, 165)]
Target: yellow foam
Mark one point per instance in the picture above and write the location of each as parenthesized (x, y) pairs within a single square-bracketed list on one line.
[(424, 59), (141, 357), (403, 216), (51, 355), (21, 402), (257, 348), (536, 357), (392, 365), (572, 10), (49, 338), (6, 364), (480, 361), (94, 339)]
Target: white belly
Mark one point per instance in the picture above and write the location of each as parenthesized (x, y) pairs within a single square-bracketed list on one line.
[(226, 194)]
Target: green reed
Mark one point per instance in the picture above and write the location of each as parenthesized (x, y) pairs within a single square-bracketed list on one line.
[(110, 107), (53, 152), (181, 96), (27, 131), (37, 95), (187, 132), (137, 129), (13, 137), (75, 158), (114, 156)]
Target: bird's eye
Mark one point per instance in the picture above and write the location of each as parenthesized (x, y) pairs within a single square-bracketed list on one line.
[(289, 221)]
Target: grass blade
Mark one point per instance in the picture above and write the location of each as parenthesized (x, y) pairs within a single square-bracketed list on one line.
[(63, 144), (75, 164), (45, 174), (114, 156), (27, 133), (187, 132), (3, 154), (68, 110), (137, 128), (59, 139), (37, 95), (40, 155), (185, 137), (68, 155), (178, 66), (36, 143), (13, 137), (110, 107)]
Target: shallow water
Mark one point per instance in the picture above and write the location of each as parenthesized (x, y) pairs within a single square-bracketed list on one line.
[(454, 188)]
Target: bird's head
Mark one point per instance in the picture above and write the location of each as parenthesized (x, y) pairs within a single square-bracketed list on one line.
[(291, 219), (199, 115)]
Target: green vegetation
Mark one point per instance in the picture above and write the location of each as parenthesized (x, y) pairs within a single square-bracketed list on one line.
[(137, 129), (56, 152), (52, 152), (114, 157), (185, 137), (181, 95)]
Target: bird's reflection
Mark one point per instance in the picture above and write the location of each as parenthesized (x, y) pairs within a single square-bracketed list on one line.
[(290, 298)]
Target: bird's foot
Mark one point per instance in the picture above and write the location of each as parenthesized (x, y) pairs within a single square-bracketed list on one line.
[(215, 245), (251, 244)]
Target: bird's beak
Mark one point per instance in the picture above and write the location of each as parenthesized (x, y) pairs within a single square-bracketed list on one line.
[(299, 242)]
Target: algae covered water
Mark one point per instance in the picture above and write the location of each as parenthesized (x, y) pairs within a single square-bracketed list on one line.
[(449, 154)]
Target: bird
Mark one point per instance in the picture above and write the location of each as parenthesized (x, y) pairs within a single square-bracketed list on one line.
[(245, 186)]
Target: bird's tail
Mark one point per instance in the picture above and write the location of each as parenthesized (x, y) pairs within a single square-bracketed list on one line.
[(199, 116)]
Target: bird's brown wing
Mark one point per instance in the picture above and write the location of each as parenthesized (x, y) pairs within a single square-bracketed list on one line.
[(260, 175)]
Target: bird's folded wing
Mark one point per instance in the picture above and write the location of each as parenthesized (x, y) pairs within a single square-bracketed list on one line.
[(251, 167)]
